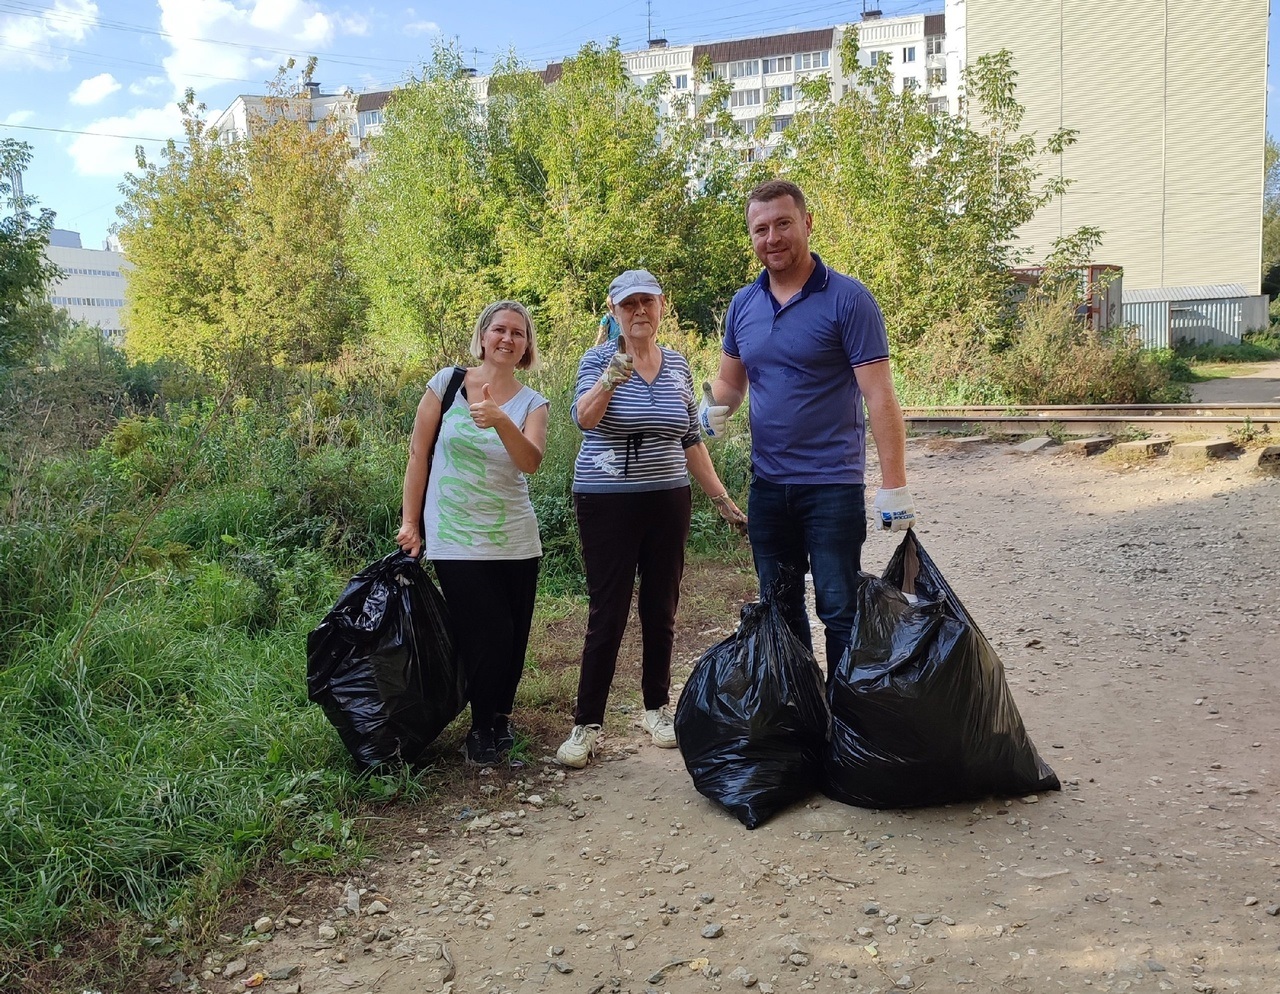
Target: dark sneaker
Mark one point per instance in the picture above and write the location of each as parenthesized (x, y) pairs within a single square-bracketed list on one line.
[(479, 750), (504, 736)]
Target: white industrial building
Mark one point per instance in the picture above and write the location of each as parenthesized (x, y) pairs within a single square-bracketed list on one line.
[(1169, 101), (91, 288)]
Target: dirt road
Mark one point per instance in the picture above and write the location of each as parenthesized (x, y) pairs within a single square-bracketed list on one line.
[(1260, 386), (1135, 611)]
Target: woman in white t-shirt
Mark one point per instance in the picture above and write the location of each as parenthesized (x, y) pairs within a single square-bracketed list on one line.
[(468, 492)]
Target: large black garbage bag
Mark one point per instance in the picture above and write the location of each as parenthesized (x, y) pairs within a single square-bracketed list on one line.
[(920, 710), (752, 720), (382, 664)]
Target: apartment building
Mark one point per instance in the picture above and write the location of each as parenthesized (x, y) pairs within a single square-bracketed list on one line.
[(357, 115), (1169, 100), (92, 285), (766, 72)]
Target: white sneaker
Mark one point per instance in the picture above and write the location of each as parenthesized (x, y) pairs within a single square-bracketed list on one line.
[(576, 751), (661, 726)]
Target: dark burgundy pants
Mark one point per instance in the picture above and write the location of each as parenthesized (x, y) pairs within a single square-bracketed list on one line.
[(624, 535)]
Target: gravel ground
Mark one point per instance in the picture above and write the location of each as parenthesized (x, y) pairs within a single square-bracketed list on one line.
[(1134, 609)]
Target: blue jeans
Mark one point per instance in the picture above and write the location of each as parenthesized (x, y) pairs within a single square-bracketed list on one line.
[(810, 527)]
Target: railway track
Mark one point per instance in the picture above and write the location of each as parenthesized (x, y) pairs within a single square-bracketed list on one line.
[(1100, 419)]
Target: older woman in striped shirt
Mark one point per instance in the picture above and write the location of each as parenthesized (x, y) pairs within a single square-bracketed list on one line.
[(638, 413)]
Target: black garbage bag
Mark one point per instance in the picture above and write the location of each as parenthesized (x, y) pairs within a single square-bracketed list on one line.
[(382, 664), (920, 710), (752, 721)]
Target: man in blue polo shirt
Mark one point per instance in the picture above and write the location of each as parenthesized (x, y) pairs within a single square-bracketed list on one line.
[(810, 344)]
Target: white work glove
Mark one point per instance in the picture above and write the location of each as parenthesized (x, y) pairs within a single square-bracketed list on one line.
[(712, 417), (618, 371), (895, 509)]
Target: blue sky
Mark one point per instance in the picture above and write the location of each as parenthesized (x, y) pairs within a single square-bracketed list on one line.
[(87, 80)]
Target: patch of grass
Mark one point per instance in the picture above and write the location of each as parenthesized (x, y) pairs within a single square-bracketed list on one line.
[(1254, 347)]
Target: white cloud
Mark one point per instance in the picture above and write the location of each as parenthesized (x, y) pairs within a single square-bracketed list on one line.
[(145, 86), (415, 25), (19, 117), (276, 29), (33, 39), (107, 147), (94, 90), (352, 24)]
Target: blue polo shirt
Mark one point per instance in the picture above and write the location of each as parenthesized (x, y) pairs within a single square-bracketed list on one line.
[(807, 422)]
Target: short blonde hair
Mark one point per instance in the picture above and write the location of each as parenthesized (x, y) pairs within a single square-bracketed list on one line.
[(530, 358)]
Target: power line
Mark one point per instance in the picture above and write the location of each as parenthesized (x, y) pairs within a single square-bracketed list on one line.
[(93, 134)]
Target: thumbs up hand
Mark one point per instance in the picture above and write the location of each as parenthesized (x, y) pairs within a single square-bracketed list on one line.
[(486, 413), (713, 418)]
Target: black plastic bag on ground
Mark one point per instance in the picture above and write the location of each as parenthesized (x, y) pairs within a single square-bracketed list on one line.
[(920, 710), (752, 720), (382, 664)]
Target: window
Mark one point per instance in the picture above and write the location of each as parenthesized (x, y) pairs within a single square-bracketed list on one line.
[(909, 54), (813, 60), (781, 122), (936, 77), (781, 64), (875, 57), (748, 125), (748, 67), (910, 83), (933, 46), (370, 118), (681, 82), (720, 70), (938, 105), (744, 98), (780, 93)]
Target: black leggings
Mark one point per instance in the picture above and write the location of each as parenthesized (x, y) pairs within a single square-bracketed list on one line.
[(624, 535), (490, 612)]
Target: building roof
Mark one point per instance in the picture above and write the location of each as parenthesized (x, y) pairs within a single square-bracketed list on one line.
[(372, 101), (553, 72), (754, 48), (1201, 291), (935, 24)]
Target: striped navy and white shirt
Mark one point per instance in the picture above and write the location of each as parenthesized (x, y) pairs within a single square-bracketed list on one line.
[(639, 443)]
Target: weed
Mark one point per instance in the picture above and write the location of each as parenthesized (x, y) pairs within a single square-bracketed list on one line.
[(1248, 432)]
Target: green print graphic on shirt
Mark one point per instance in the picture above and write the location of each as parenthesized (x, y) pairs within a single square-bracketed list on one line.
[(468, 513)]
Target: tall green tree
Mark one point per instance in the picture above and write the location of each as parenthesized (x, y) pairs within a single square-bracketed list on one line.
[(599, 181), (178, 228), (923, 207), (25, 271), (545, 192), (238, 247), (421, 226), (1271, 219)]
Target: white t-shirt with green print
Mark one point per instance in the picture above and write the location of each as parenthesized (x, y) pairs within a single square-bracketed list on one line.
[(477, 504)]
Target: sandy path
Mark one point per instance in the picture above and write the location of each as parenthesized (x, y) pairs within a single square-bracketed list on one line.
[(1136, 615)]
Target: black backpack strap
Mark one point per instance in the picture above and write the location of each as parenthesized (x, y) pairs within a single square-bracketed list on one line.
[(451, 391)]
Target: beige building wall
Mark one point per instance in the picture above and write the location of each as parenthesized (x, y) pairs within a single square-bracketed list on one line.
[(1169, 99)]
